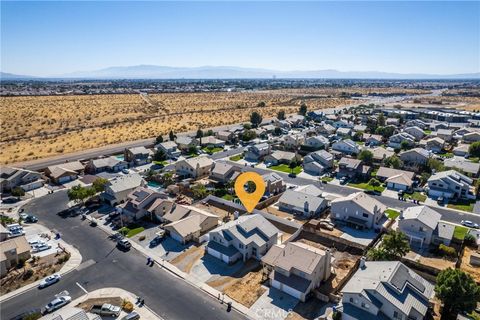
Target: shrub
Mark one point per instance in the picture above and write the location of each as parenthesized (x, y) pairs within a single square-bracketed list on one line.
[(28, 274), (127, 306), (374, 182), (470, 240), (447, 251), (336, 315), (141, 238)]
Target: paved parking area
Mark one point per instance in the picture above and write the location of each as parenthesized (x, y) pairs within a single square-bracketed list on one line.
[(33, 232), (209, 267), (273, 304)]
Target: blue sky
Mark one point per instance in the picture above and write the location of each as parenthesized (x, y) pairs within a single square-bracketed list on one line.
[(51, 38)]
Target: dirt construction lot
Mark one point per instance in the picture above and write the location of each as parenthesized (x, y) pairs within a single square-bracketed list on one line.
[(41, 126), (467, 267)]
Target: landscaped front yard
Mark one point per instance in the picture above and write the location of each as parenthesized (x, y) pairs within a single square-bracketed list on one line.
[(460, 232), (465, 205), (326, 179), (285, 168), (392, 214), (415, 196), (212, 150), (130, 232), (366, 186), (236, 157)]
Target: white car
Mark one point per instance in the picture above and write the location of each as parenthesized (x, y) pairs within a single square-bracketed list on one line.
[(57, 303), (23, 216), (470, 224), (41, 247), (48, 281)]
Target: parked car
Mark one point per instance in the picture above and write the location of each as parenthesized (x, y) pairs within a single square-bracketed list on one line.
[(48, 281), (126, 171), (106, 309), (132, 316), (31, 219), (10, 200), (23, 216), (57, 303), (470, 224), (155, 241), (41, 247), (124, 244), (343, 180)]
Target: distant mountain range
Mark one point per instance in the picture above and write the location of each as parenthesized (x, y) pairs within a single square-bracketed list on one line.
[(213, 72)]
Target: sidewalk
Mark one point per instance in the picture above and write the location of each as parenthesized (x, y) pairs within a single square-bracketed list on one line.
[(145, 312), (180, 274), (70, 265)]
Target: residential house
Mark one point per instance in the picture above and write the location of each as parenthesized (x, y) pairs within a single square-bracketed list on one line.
[(11, 178), (380, 154), (461, 150), (435, 144), (451, 184), (346, 147), (417, 123), (223, 172), (109, 164), (296, 120), (471, 137), (64, 172), (139, 203), (352, 168), (392, 121), (445, 134), (138, 156), (169, 148), (360, 128), (416, 132), (13, 251), (257, 152), (316, 115), (396, 179), (118, 189), (344, 132), (185, 144), (293, 141), (279, 157), (226, 136), (191, 227), (273, 183), (317, 162), (301, 203), (195, 168), (464, 165), (342, 123), (315, 143), (372, 139), (396, 140), (249, 236), (325, 129), (414, 157), (358, 210), (297, 268), (212, 142), (421, 224), (385, 290)]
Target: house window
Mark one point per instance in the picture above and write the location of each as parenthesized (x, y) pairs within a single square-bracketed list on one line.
[(351, 300), (421, 229), (396, 315), (365, 305), (365, 215)]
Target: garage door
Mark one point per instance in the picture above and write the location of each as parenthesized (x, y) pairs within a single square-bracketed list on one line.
[(214, 253), (294, 293), (277, 285)]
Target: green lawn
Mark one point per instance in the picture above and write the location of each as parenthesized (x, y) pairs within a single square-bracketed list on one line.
[(416, 196), (464, 205), (460, 232), (392, 214), (374, 172), (427, 131), (474, 159), (228, 197), (213, 150), (161, 163), (236, 157), (366, 186), (285, 168), (127, 232), (326, 179), (361, 143)]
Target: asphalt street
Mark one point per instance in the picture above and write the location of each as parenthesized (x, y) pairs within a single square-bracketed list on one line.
[(103, 265)]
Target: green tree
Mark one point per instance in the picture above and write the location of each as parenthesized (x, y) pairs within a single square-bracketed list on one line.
[(404, 145), (358, 136), (171, 135), (167, 179), (277, 131), (199, 134), (18, 192), (394, 245), (261, 104), (303, 110), (199, 191), (292, 165), (209, 133), (248, 135), (366, 156), (474, 149), (281, 115), (79, 194), (99, 184), (435, 164), (374, 182), (159, 139), (371, 125), (255, 119), (424, 177), (192, 150), (159, 155), (381, 120), (393, 162), (457, 290), (386, 132)]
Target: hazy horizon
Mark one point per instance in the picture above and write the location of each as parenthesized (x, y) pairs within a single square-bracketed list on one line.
[(52, 38)]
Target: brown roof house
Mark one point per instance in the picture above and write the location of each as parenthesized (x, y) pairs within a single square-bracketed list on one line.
[(196, 168), (396, 179), (140, 202), (352, 168), (297, 268), (64, 172), (12, 252), (192, 226)]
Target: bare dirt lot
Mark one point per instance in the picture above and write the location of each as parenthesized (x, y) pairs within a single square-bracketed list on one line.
[(41, 126), (467, 267), (428, 259), (187, 259)]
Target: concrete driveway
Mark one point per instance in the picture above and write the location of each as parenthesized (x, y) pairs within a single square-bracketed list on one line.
[(209, 267), (273, 305)]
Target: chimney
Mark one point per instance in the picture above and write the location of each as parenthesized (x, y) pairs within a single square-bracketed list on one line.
[(362, 263)]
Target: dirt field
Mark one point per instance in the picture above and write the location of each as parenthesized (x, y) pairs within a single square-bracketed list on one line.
[(187, 259), (467, 267), (42, 126), (429, 259)]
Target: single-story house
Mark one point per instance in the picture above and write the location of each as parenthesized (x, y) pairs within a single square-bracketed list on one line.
[(301, 203), (65, 172), (109, 164)]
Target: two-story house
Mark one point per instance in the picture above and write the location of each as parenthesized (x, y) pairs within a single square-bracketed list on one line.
[(139, 203), (315, 143), (451, 184), (257, 152), (396, 140), (137, 156), (118, 189), (195, 168), (297, 268), (317, 162), (352, 168), (249, 236), (346, 147), (14, 177), (415, 132), (169, 148)]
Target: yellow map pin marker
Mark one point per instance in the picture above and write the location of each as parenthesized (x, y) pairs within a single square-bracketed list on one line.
[(249, 200)]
